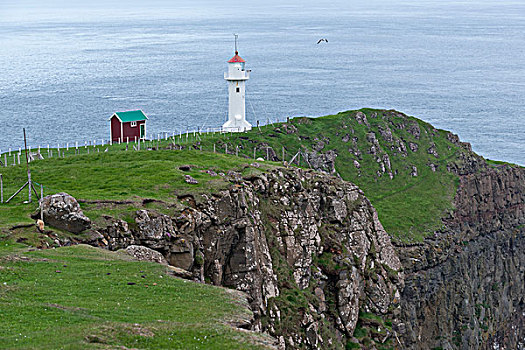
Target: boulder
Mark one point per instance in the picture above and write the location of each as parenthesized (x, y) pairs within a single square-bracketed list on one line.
[(146, 254), (62, 211), (190, 180)]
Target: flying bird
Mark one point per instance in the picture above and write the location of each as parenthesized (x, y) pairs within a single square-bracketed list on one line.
[(321, 40)]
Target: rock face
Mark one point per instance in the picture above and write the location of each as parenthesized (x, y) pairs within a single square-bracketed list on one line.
[(307, 248), (321, 161), (465, 288), (63, 212)]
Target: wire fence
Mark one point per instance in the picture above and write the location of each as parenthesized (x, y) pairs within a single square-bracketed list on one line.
[(14, 156)]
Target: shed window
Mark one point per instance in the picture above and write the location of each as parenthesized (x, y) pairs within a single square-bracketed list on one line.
[(237, 89), (133, 124)]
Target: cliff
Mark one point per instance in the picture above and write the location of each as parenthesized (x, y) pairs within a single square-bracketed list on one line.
[(465, 288), (308, 249)]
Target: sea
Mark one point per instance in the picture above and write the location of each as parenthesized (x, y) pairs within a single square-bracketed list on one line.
[(67, 66)]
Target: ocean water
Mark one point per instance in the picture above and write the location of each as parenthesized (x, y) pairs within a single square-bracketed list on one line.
[(66, 66)]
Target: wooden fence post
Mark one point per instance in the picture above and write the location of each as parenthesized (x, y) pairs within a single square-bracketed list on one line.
[(237, 151), (283, 155), (1, 189), (254, 149), (213, 148)]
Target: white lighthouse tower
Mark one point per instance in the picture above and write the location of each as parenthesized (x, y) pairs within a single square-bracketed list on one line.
[(236, 78)]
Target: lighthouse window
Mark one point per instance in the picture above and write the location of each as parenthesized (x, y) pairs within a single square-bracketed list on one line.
[(133, 124), (237, 89)]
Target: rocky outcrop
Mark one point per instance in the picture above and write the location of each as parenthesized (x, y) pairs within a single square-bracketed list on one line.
[(308, 249), (324, 162), (62, 211)]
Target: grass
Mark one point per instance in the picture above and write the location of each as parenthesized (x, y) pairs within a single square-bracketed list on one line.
[(370, 326), (80, 297), (118, 176)]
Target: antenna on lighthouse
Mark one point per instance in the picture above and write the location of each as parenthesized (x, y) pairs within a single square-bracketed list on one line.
[(236, 36)]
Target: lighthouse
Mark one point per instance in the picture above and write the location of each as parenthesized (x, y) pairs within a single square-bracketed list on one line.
[(236, 78)]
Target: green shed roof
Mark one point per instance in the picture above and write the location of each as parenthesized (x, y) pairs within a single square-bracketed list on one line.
[(130, 116)]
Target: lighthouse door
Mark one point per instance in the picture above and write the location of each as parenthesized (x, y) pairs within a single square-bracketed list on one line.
[(141, 131)]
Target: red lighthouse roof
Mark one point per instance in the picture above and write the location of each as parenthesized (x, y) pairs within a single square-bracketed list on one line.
[(236, 58)]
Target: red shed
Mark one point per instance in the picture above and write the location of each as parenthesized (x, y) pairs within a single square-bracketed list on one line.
[(128, 126)]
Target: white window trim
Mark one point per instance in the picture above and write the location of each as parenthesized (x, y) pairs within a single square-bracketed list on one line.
[(133, 124)]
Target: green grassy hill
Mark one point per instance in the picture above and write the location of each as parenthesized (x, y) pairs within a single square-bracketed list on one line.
[(81, 297), (117, 175)]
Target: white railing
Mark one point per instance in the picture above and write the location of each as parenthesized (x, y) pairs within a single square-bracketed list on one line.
[(14, 156)]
